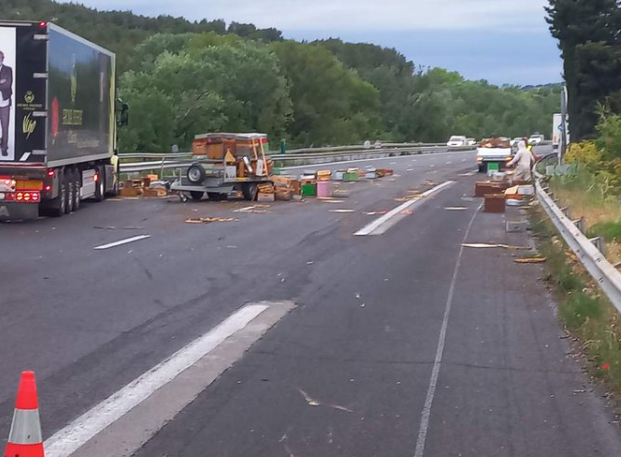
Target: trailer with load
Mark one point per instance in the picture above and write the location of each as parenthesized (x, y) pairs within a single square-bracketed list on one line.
[(59, 121), (224, 162)]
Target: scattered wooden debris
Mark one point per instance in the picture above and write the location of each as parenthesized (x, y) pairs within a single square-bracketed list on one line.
[(492, 246), (530, 260), (209, 220)]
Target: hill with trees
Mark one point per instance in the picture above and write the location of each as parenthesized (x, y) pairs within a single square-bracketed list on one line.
[(182, 77)]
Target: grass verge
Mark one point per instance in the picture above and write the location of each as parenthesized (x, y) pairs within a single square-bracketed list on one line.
[(586, 198), (584, 310)]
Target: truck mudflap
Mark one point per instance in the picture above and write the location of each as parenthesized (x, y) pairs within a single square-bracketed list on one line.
[(13, 211)]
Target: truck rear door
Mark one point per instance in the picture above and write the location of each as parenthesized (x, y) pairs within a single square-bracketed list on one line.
[(23, 84)]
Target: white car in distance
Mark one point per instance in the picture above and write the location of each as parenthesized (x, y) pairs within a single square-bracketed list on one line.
[(457, 141), (536, 140)]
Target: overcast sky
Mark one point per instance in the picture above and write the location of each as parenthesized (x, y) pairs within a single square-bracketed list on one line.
[(503, 41)]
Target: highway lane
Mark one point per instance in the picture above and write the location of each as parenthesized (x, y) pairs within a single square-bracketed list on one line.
[(348, 371), (356, 369), (91, 321)]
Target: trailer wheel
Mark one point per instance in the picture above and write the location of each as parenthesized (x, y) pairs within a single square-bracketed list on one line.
[(69, 192), (196, 195), (100, 188), (59, 204), (216, 196), (250, 191), (77, 184), (196, 174)]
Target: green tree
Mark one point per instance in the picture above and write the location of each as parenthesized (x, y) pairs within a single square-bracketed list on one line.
[(575, 23), (331, 105), (236, 87)]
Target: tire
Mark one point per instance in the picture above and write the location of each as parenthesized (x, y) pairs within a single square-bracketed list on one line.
[(216, 197), (70, 192), (482, 168), (196, 174), (100, 189), (196, 195), (250, 191), (58, 206), (77, 184)]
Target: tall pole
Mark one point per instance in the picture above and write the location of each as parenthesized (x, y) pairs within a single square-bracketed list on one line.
[(563, 146)]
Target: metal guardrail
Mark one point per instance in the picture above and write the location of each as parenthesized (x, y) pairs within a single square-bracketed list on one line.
[(602, 271), (330, 149), (168, 161)]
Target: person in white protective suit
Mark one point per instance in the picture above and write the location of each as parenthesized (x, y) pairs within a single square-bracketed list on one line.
[(523, 162)]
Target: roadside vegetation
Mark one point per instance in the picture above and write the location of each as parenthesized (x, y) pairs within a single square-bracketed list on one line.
[(593, 190), (181, 78), (586, 313)]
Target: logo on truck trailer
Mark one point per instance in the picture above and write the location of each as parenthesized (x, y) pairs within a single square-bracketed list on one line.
[(28, 125)]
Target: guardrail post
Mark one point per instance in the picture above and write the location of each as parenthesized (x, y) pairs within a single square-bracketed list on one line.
[(599, 244), (566, 211), (580, 224)]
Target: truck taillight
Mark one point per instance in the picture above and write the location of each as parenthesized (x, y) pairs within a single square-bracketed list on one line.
[(27, 197), (42, 24), (95, 177), (51, 172), (48, 188)]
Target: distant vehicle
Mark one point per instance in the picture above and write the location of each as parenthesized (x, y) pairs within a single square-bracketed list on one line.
[(536, 139), (471, 142), (515, 141), (457, 141), (62, 146), (494, 152)]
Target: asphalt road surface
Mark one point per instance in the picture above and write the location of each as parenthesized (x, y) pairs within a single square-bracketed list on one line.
[(400, 344)]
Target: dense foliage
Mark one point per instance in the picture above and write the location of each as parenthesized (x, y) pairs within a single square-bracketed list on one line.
[(181, 78), (588, 32), (601, 156)]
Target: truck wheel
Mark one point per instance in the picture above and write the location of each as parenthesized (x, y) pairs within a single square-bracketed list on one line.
[(250, 191), (77, 184), (69, 192), (58, 205), (196, 195), (196, 174), (100, 188), (482, 168)]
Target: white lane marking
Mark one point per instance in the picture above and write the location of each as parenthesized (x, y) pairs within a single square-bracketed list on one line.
[(122, 242), (66, 441), (328, 164), (449, 162), (435, 373), (388, 220)]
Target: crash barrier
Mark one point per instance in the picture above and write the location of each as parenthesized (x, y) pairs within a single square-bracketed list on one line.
[(590, 252), (319, 156)]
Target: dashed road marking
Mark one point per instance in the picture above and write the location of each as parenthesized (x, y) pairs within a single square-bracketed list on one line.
[(122, 242), (162, 392), (388, 220)]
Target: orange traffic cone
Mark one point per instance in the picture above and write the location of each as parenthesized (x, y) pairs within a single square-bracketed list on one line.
[(25, 439)]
